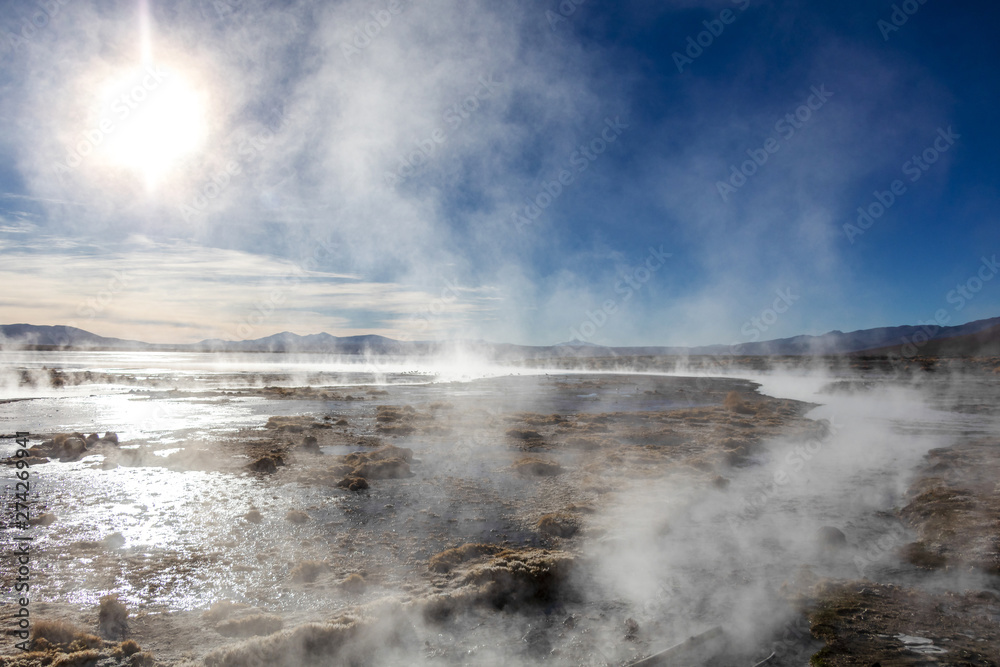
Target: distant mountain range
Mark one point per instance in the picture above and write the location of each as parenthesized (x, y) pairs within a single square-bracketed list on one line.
[(980, 338)]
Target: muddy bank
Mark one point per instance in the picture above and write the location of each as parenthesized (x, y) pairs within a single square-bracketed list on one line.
[(954, 507), (864, 623)]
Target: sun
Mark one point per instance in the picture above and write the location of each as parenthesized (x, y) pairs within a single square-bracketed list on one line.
[(155, 118), (153, 115)]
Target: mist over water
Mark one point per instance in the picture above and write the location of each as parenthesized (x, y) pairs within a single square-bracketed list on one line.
[(667, 554)]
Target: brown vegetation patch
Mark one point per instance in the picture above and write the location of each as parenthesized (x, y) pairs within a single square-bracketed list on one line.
[(559, 524), (62, 635), (66, 447), (219, 611), (516, 577), (354, 584), (450, 558), (307, 571), (389, 462), (955, 509), (523, 435), (735, 403), (112, 618), (294, 424), (303, 645), (383, 469), (250, 626), (44, 519), (356, 484), (534, 466), (862, 622), (265, 465), (310, 445)]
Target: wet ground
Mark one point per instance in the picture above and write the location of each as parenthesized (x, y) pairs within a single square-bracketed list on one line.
[(610, 516)]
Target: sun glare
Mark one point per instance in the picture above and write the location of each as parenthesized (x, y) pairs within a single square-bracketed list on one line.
[(153, 114), (161, 119)]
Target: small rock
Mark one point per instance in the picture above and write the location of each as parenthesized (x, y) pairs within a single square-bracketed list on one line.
[(831, 537), (355, 484), (354, 583), (297, 516), (264, 464), (113, 541), (46, 519)]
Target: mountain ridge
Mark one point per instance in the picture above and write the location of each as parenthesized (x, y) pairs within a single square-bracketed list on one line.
[(881, 340)]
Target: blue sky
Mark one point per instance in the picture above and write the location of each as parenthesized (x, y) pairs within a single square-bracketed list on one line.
[(628, 173)]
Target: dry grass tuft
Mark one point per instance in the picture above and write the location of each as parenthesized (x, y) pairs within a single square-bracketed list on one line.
[(534, 466), (56, 633), (735, 403), (383, 469), (112, 618), (450, 558), (88, 658), (144, 659), (351, 483), (354, 583), (305, 644), (125, 649), (307, 571), (516, 577), (250, 626), (265, 465), (523, 435), (222, 610)]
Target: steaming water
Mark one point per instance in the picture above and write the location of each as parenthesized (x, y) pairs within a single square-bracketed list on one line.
[(721, 559)]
